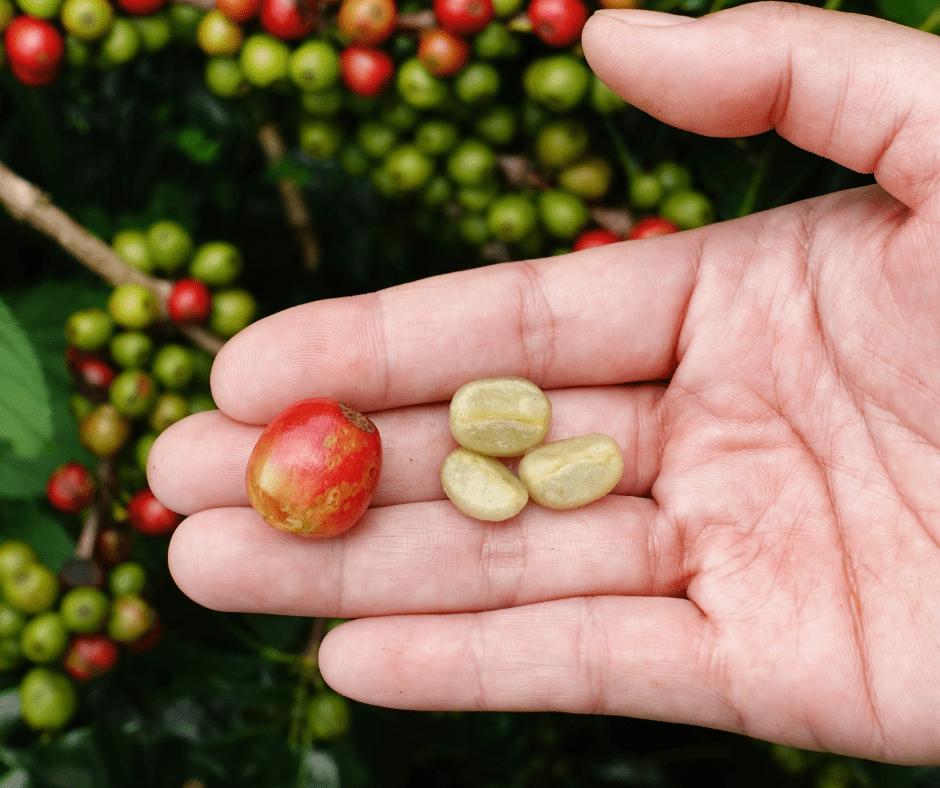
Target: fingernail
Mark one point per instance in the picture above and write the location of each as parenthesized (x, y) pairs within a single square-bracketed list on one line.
[(643, 18)]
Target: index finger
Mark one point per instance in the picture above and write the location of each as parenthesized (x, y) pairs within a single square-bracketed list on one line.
[(606, 315)]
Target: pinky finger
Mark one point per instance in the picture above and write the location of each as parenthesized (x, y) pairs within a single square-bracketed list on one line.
[(632, 656)]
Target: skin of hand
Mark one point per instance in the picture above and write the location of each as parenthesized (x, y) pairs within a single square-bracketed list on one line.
[(770, 562)]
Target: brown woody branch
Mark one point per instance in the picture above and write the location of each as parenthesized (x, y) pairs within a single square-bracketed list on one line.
[(29, 204), (298, 216)]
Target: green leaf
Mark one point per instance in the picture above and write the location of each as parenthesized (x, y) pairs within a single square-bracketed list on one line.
[(17, 778), (42, 311), (908, 12), (25, 415), (29, 521), (195, 144)]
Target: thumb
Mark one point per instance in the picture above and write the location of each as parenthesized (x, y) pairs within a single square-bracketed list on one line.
[(857, 90)]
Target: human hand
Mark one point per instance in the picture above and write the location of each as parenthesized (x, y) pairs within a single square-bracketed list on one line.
[(770, 561)]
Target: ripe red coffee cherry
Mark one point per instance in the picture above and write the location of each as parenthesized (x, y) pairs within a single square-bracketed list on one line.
[(597, 236), (35, 49), (367, 22), (90, 656), (650, 227), (113, 546), (288, 19), (70, 488), (315, 468), (239, 10), (464, 17), (90, 371), (190, 301), (141, 7), (558, 22), (443, 54), (366, 72), (151, 517)]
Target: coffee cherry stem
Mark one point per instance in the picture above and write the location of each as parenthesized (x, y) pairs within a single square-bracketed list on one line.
[(295, 208), (204, 5)]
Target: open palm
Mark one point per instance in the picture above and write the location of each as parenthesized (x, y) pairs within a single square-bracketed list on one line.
[(770, 562)]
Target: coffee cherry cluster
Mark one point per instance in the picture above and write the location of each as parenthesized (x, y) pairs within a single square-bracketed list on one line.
[(483, 111), (59, 635)]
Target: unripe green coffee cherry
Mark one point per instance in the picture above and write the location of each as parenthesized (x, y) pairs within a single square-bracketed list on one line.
[(687, 209), (562, 213), (184, 22), (104, 431), (169, 408), (376, 138), (603, 100), (77, 53), (328, 716), (119, 45), (497, 126), (88, 329), (170, 245), (173, 367), (476, 199), (472, 163), (589, 178), (418, 86), (131, 246), (561, 142), (494, 41), (264, 60), (507, 8), (645, 191), (128, 577), (84, 609), (409, 168), (47, 699), (511, 217), (132, 393), (154, 31), (40, 9), (477, 84), (87, 20), (219, 36), (14, 556), (80, 406), (559, 82), (224, 77), (474, 229), (12, 621), (232, 310), (353, 160), (436, 137), (320, 139), (142, 449), (314, 65), (216, 263), (32, 589), (672, 176), (437, 192), (131, 349), (44, 638), (133, 306), (325, 103)]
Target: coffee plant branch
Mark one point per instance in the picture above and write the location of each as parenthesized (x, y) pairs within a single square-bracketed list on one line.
[(298, 216), (27, 203)]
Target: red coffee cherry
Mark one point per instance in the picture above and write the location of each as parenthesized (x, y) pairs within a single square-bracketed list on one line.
[(367, 22), (464, 17), (151, 517), (288, 19), (141, 7), (598, 236), (366, 72), (90, 656), (113, 546), (557, 22), (90, 372), (35, 49), (650, 227), (239, 10), (443, 54), (190, 301), (71, 487)]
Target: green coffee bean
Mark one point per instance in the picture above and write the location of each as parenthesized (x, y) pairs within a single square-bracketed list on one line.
[(569, 473), (482, 487), (499, 417)]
